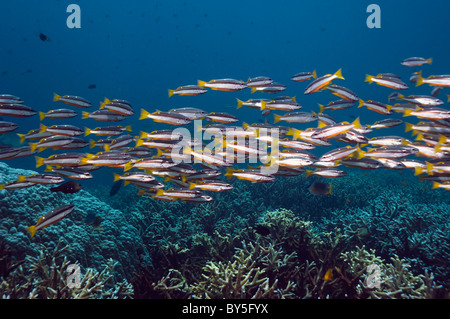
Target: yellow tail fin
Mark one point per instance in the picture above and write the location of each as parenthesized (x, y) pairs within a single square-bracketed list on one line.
[(56, 97), (356, 123), (321, 108), (41, 115), (297, 133), (263, 105), (139, 142), (127, 166), (419, 79), (32, 230), (229, 173), (418, 170), (407, 112), (39, 161), (22, 137), (429, 167), (201, 83), (277, 118), (338, 74), (360, 152), (368, 78), (408, 127), (106, 101), (42, 128), (187, 150), (171, 92), (144, 114), (33, 146)]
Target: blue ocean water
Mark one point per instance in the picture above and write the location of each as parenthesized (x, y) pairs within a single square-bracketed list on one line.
[(137, 50)]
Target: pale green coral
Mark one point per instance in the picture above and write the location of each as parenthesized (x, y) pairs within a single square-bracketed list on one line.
[(45, 277), (393, 280), (247, 275)]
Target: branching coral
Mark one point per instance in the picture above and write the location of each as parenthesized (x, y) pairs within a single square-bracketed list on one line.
[(288, 231), (7, 264), (389, 281), (289, 261), (45, 277), (252, 273), (172, 285), (396, 225)]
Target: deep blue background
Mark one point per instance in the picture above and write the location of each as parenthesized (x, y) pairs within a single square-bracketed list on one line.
[(137, 50)]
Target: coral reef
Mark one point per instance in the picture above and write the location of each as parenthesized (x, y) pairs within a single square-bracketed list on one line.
[(255, 241), (394, 224), (289, 262), (92, 247), (248, 275), (396, 281), (45, 277)]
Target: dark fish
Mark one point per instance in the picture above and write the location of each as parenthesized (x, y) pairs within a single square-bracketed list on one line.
[(94, 220), (115, 188), (67, 188), (43, 37), (262, 230), (92, 86), (319, 188)]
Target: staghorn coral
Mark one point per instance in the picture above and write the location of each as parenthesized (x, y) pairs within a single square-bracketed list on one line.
[(288, 262), (45, 277), (289, 231), (171, 286), (395, 280), (397, 225), (252, 273), (7, 262)]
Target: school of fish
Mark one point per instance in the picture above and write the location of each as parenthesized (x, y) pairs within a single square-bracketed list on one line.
[(162, 163)]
